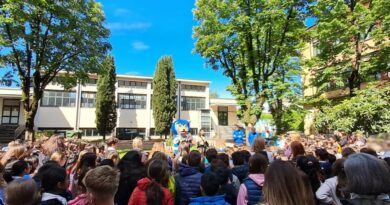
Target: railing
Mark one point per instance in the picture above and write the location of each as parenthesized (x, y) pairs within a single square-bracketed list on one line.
[(19, 131)]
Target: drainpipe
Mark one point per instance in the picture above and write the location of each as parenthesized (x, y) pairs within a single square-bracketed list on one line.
[(78, 100), (179, 100)]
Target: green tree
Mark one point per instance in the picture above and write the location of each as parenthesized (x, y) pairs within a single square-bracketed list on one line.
[(367, 111), (40, 38), (351, 43), (249, 40), (105, 98), (285, 97), (164, 95)]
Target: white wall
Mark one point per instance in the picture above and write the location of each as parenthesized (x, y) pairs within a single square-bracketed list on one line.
[(56, 117), (131, 118), (87, 118)]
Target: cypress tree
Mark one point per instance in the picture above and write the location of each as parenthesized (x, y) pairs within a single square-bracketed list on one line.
[(105, 98), (164, 95)]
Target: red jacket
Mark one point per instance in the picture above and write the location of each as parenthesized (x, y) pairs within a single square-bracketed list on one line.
[(138, 197)]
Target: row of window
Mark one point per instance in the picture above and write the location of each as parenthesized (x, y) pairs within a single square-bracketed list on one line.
[(58, 99), (125, 101), (198, 88), (137, 84)]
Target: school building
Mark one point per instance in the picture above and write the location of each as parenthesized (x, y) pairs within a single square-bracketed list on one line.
[(74, 110)]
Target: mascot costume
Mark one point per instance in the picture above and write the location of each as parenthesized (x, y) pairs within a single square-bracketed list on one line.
[(180, 129)]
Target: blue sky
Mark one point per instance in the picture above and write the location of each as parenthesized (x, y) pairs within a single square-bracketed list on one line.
[(143, 31)]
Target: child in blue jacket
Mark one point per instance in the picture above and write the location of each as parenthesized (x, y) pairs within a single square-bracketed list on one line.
[(210, 186)]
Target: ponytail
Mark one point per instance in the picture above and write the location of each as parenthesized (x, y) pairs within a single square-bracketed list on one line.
[(154, 193)]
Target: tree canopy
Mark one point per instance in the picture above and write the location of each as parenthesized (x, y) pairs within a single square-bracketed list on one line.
[(351, 43), (39, 39), (368, 111), (253, 42)]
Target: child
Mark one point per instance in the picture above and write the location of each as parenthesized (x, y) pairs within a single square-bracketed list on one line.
[(251, 189), (54, 183), (209, 186), (21, 169), (240, 169), (188, 179), (22, 192), (152, 189), (102, 184)]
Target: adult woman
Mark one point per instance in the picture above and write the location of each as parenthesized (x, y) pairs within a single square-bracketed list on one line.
[(284, 184), (368, 179), (132, 170), (152, 189)]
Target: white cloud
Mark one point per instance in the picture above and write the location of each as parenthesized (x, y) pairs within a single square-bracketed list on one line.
[(121, 12), (139, 45), (128, 26)]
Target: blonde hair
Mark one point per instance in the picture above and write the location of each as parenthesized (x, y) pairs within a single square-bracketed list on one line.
[(15, 151), (57, 156), (102, 182), (157, 147), (137, 143), (22, 192)]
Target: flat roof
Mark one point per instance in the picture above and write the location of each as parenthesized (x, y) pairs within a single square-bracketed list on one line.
[(10, 92), (150, 78), (223, 101)]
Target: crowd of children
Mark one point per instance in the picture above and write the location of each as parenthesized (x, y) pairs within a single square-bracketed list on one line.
[(59, 171)]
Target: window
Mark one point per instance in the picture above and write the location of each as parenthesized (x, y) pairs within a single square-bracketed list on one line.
[(88, 99), (89, 132), (192, 103), (194, 131), (197, 88), (91, 81), (58, 99), (134, 84), (11, 111), (316, 50), (205, 121), (130, 133), (132, 101)]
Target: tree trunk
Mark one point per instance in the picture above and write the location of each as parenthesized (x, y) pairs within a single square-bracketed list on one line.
[(104, 136), (30, 106), (29, 117), (354, 79), (277, 115)]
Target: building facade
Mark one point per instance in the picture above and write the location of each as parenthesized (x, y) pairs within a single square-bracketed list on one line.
[(333, 91), (74, 110)]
